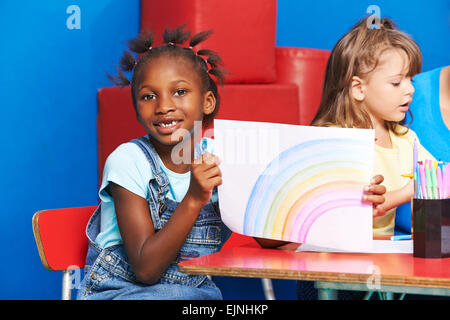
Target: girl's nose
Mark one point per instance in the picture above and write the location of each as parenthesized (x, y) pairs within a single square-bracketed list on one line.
[(409, 87), (164, 105)]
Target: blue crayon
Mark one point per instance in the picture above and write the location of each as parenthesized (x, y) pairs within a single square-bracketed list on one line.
[(404, 237)]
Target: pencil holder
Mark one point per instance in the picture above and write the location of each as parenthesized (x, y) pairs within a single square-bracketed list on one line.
[(431, 228)]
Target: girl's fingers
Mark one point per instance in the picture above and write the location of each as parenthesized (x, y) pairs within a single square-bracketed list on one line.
[(203, 158), (374, 193), (209, 184), (378, 211), (207, 172), (378, 189), (377, 179), (375, 189), (207, 160), (210, 159), (216, 181), (375, 199), (212, 172), (208, 168)]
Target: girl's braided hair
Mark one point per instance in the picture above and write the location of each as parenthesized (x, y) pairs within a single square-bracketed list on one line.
[(206, 62)]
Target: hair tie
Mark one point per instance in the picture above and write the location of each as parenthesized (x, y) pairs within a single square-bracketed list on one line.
[(195, 52)]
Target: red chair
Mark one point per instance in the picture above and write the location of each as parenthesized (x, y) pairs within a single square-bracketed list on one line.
[(61, 241)]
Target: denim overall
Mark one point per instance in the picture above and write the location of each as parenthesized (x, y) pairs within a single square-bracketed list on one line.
[(109, 275)]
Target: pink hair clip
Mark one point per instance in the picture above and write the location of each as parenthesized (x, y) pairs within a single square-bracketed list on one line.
[(171, 43), (190, 47), (150, 48)]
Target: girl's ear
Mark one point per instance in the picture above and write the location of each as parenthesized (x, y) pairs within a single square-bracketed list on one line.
[(209, 104), (357, 88)]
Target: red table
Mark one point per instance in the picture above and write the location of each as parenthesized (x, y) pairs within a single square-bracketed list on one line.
[(331, 271)]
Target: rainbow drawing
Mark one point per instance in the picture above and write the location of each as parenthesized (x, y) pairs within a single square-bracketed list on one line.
[(305, 182)]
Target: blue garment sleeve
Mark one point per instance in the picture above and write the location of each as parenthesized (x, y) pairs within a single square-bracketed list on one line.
[(427, 119)]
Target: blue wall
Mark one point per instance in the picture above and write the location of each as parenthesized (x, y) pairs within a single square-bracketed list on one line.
[(320, 24), (49, 77)]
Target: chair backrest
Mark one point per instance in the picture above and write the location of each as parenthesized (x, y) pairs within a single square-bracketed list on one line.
[(61, 238)]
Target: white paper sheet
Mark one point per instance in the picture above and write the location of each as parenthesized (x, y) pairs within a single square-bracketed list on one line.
[(379, 246), (297, 183)]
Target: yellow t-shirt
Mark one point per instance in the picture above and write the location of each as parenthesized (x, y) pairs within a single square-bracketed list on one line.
[(392, 163)]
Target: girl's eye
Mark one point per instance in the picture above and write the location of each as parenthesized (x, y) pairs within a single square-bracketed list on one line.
[(180, 92), (148, 97), (395, 84)]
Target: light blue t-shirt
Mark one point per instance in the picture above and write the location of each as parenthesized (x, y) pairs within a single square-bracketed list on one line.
[(128, 167), (427, 118)]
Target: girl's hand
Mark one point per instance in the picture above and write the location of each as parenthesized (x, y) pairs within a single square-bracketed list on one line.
[(409, 189), (205, 175), (374, 193)]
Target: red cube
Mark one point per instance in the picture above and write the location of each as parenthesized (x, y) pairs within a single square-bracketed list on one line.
[(244, 32), (306, 68)]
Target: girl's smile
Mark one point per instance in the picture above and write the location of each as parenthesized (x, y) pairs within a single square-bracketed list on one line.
[(167, 125)]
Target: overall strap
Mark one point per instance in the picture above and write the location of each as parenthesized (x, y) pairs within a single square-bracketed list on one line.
[(152, 157), (159, 175)]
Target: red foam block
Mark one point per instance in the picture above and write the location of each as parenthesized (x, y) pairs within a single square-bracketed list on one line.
[(244, 32), (306, 68)]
